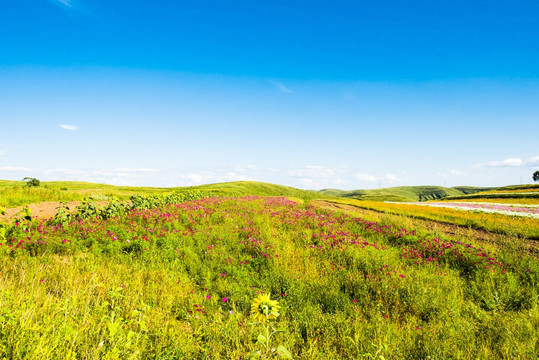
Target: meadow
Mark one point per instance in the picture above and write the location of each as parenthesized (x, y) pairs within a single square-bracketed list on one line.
[(525, 227), (176, 277)]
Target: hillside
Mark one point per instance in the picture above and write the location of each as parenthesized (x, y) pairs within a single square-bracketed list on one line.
[(244, 188), (506, 192), (404, 193), (15, 193)]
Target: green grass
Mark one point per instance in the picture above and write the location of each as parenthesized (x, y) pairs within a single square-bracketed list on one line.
[(152, 284), (402, 193), (506, 192), (16, 193)]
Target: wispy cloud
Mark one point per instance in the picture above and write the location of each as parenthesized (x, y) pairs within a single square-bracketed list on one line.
[(281, 86), (387, 178), (69, 127), (244, 169), (450, 172), (312, 171), (66, 2), (534, 161), (365, 177), (14, 168), (138, 170), (511, 162)]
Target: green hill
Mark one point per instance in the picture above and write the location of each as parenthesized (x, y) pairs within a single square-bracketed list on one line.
[(507, 192), (244, 188), (16, 193), (404, 193)]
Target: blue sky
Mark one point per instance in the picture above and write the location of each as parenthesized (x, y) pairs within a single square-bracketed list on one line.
[(311, 94)]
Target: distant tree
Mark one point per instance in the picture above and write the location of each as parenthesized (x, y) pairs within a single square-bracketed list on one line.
[(536, 176), (30, 182)]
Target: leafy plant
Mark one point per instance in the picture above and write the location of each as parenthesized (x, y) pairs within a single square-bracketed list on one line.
[(31, 182), (263, 309)]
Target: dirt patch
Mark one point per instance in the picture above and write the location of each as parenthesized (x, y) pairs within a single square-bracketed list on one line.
[(432, 225), (44, 210)]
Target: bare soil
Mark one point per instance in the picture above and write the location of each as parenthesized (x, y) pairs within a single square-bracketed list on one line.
[(44, 210)]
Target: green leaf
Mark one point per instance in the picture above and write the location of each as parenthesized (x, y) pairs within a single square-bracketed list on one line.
[(260, 339), (281, 350), (253, 355)]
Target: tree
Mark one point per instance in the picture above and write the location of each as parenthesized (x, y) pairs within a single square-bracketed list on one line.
[(536, 176), (30, 182)]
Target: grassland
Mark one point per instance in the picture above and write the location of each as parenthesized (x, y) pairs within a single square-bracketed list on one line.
[(497, 223), (516, 192), (404, 193), (15, 193), (177, 280)]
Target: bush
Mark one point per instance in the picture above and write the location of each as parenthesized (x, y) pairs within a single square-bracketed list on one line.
[(31, 182)]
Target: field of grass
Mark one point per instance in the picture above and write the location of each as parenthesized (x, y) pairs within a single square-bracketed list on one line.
[(178, 281), (516, 192), (16, 193), (497, 223), (522, 201), (404, 193)]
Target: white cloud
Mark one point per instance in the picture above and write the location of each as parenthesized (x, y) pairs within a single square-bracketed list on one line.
[(451, 172), (231, 176), (69, 127), (281, 86), (14, 169), (138, 170), (310, 171), (247, 168), (66, 2), (318, 177), (505, 163), (455, 172), (365, 177), (534, 161), (197, 178), (391, 178), (511, 162)]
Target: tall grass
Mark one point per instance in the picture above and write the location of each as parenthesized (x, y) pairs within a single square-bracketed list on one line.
[(16, 193), (14, 196), (497, 223), (153, 283)]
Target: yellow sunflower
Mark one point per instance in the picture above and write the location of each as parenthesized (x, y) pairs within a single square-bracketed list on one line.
[(263, 308)]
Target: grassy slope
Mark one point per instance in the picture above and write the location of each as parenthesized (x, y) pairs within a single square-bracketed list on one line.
[(153, 286), (243, 188), (15, 193), (400, 193), (506, 192)]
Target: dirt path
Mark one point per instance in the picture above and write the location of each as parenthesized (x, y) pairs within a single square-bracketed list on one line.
[(44, 210), (432, 225)]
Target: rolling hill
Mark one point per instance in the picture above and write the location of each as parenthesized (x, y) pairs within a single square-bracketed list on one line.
[(404, 193)]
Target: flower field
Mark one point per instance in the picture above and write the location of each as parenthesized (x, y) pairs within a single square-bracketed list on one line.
[(512, 201), (181, 281), (495, 221), (531, 211)]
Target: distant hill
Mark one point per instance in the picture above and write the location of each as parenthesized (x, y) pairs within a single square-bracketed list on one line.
[(507, 192), (244, 188), (405, 193), (16, 193)]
